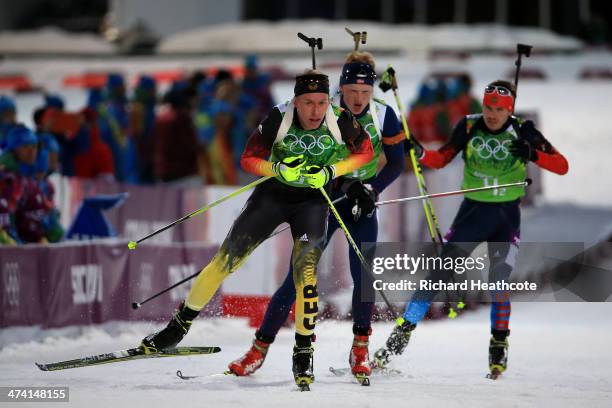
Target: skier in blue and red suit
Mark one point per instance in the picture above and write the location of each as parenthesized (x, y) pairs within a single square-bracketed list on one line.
[(496, 147)]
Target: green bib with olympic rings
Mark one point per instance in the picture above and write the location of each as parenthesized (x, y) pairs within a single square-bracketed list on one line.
[(319, 146), (488, 162)]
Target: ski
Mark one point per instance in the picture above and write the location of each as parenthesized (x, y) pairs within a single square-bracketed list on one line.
[(387, 372), (362, 379), (125, 355), (182, 376)]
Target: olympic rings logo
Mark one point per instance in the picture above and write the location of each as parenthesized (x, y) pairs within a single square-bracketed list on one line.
[(11, 283), (308, 143), (491, 148)]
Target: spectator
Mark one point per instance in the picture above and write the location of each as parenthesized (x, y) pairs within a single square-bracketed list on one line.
[(54, 101), (10, 190), (8, 118), (243, 111), (175, 141), (257, 85), (96, 161), (21, 151), (113, 127), (141, 122), (32, 206), (47, 162), (441, 103), (421, 118), (82, 153), (217, 158), (51, 119)]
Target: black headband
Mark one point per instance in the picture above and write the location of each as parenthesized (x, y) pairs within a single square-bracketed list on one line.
[(311, 83)]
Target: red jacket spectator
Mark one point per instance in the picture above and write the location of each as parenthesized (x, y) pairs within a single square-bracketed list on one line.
[(175, 140), (97, 161)]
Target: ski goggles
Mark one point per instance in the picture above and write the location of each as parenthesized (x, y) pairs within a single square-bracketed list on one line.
[(500, 90), (498, 96), (357, 73)]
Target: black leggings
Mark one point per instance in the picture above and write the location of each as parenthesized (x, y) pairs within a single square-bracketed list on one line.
[(271, 204)]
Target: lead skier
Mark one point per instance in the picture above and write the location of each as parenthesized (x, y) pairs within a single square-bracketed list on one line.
[(334, 145)]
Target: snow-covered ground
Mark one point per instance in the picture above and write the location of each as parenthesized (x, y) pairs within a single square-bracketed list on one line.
[(559, 356)]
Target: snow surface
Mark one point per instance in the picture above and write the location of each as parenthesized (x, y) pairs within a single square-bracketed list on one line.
[(559, 355), (49, 40), (266, 37)]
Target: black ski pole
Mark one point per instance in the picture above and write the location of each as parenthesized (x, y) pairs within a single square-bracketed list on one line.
[(136, 305), (521, 49)]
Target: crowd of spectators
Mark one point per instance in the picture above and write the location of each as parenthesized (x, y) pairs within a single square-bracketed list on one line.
[(443, 99), (191, 136)]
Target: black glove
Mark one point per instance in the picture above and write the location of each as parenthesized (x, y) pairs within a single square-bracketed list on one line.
[(364, 197), (522, 149), (411, 143)]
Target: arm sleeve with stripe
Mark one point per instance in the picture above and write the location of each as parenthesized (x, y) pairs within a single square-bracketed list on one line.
[(393, 147)]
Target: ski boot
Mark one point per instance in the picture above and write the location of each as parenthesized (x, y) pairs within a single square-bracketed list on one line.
[(498, 353), (359, 359), (303, 366), (173, 333), (396, 343), (251, 361)]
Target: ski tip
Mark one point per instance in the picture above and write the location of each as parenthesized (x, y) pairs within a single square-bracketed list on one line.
[(43, 367), (338, 372)]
